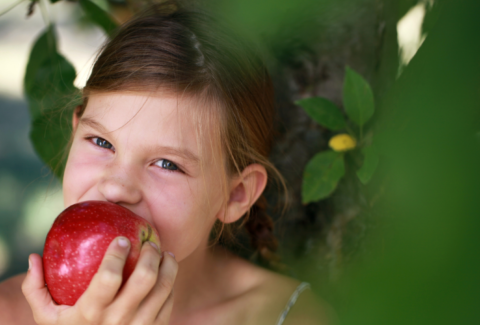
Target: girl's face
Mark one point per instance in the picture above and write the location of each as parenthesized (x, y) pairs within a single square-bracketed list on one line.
[(141, 152)]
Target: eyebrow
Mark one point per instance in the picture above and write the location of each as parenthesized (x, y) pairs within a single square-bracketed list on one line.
[(184, 153), (93, 124)]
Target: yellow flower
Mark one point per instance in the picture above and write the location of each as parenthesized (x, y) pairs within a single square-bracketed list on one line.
[(342, 142)]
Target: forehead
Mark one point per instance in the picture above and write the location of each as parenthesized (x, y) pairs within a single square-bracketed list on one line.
[(156, 118), (131, 110)]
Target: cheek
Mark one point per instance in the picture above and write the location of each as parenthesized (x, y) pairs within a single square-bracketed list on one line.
[(79, 177), (184, 215)]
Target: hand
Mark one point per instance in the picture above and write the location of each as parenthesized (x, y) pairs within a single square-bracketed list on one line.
[(146, 298)]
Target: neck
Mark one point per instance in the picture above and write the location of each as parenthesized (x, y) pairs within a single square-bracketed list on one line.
[(199, 281)]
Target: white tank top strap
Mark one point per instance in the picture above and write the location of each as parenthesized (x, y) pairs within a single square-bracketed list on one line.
[(293, 299)]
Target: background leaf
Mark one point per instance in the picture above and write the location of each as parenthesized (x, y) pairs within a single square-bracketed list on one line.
[(324, 112), (50, 135), (357, 98), (99, 16), (53, 85), (321, 175), (51, 97), (43, 48), (369, 166)]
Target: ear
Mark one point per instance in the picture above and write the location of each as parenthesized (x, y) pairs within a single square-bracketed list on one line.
[(245, 189), (76, 118)]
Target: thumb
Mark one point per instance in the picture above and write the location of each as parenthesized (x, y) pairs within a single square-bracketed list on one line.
[(35, 291)]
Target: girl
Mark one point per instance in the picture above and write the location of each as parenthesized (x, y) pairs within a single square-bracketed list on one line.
[(176, 126)]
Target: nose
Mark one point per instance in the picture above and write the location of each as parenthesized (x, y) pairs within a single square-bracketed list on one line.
[(119, 185)]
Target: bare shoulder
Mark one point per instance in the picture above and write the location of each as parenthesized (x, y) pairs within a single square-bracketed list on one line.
[(309, 310), (272, 294), (14, 308)]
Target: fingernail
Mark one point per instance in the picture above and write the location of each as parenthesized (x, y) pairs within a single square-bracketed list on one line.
[(123, 242), (29, 263), (154, 245), (171, 254)]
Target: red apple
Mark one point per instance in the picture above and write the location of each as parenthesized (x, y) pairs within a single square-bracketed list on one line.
[(78, 240)]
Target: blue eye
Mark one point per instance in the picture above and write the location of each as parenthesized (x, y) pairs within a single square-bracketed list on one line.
[(102, 143), (166, 164)]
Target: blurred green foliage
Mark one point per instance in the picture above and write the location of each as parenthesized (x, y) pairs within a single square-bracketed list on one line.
[(98, 16), (321, 175), (325, 170), (51, 96), (357, 99), (421, 265)]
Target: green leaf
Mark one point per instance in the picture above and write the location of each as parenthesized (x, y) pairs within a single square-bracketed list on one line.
[(44, 47), (324, 112), (53, 86), (321, 175), (357, 98), (51, 128), (370, 163), (50, 134), (53, 1), (51, 97), (99, 16)]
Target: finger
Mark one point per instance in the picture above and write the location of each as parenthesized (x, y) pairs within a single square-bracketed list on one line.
[(106, 282), (36, 293), (155, 304), (163, 316), (141, 281)]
